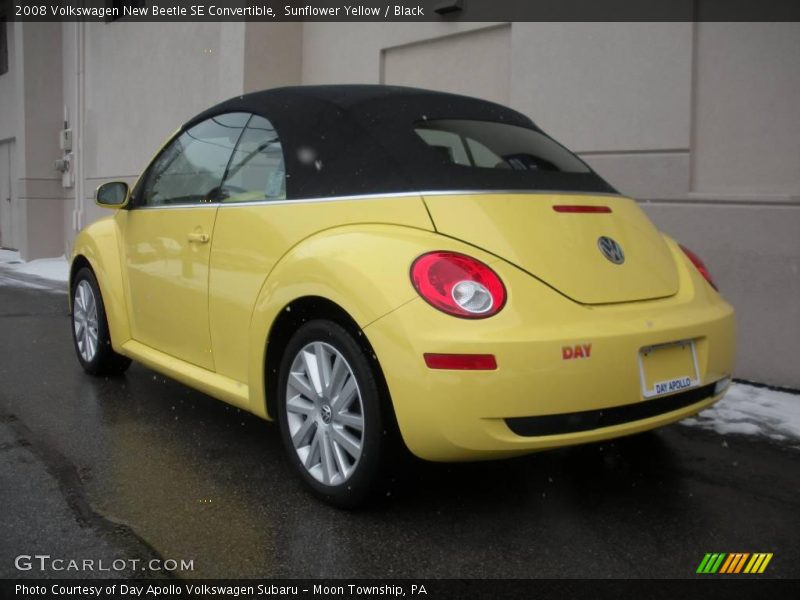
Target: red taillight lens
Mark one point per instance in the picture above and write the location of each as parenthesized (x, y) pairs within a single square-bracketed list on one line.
[(699, 265), (458, 284)]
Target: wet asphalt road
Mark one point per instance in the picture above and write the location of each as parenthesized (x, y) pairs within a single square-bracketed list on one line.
[(141, 467)]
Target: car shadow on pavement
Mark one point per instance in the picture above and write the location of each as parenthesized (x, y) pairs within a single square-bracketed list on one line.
[(198, 430), (624, 469)]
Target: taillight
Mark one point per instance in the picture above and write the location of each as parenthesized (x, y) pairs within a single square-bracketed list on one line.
[(458, 284), (699, 265)]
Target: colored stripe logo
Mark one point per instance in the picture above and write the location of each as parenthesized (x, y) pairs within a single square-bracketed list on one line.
[(734, 563)]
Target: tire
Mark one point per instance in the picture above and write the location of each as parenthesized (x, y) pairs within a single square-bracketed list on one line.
[(331, 414), (90, 329)]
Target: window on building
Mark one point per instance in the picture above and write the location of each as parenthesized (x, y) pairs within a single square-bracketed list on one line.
[(190, 169), (257, 169), (3, 45)]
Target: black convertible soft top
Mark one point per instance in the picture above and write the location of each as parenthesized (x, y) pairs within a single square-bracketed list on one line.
[(343, 140)]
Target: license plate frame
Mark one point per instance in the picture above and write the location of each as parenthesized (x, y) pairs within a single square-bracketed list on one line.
[(654, 382)]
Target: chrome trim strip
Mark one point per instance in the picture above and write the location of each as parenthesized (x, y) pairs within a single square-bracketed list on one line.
[(173, 206), (394, 195), (518, 193), (381, 196)]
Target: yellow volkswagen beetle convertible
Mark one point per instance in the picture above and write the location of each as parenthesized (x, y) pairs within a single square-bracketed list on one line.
[(353, 261)]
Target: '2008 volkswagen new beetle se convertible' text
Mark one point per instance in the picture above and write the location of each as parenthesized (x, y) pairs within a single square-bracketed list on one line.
[(357, 260)]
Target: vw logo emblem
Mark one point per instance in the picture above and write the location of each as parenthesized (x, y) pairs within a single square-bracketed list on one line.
[(327, 413), (611, 250)]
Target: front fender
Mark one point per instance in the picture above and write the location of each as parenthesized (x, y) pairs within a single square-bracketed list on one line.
[(364, 269), (99, 244)]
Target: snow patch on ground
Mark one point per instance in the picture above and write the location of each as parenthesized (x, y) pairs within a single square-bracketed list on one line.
[(53, 269), (750, 410), (9, 257)]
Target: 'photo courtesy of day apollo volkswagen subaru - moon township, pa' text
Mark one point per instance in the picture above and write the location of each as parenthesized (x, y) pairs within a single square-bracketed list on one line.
[(377, 266)]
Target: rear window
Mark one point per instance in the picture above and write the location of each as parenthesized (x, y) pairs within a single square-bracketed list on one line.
[(494, 145)]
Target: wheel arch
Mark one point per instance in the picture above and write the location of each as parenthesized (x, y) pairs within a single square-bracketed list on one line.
[(78, 262), (291, 317), (358, 274), (339, 273), (98, 247)]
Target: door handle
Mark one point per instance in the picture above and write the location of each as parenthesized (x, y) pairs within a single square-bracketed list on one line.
[(198, 238)]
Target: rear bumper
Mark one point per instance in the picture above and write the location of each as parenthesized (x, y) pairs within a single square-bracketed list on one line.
[(602, 418), (536, 399)]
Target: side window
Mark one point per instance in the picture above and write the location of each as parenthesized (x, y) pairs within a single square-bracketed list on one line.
[(191, 168), (257, 170)]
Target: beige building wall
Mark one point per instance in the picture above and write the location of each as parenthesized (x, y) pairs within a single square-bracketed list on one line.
[(8, 84), (485, 54), (351, 52), (139, 83), (31, 97), (747, 110), (10, 232), (273, 55)]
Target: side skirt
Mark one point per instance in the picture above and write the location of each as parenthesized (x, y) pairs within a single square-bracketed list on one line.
[(216, 385)]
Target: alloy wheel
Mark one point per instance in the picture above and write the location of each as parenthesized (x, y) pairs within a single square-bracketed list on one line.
[(325, 413), (84, 320)]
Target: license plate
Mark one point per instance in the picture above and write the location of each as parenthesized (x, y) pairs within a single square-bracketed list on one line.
[(668, 368)]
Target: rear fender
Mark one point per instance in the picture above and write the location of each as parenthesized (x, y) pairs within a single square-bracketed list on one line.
[(364, 269)]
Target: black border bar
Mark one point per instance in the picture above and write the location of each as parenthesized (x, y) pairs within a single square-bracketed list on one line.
[(707, 587), (405, 10)]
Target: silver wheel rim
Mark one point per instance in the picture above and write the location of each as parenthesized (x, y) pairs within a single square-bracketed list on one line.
[(325, 413), (84, 320)]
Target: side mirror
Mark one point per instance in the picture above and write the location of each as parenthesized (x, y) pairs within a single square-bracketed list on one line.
[(112, 195)]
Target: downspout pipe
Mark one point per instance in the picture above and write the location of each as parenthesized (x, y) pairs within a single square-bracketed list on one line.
[(77, 214)]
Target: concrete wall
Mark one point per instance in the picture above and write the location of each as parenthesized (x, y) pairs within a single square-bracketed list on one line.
[(39, 185), (483, 53), (11, 232), (698, 121), (31, 100), (130, 107), (273, 55), (747, 110), (351, 52), (8, 85)]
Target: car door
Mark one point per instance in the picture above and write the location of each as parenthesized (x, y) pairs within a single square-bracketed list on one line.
[(167, 238), (250, 239)]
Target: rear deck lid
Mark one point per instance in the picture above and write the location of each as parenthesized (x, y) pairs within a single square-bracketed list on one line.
[(593, 249)]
